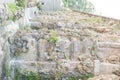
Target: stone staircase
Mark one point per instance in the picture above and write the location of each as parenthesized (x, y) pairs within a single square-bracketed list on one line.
[(67, 43)]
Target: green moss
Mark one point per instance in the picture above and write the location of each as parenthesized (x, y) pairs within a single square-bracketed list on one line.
[(53, 37)]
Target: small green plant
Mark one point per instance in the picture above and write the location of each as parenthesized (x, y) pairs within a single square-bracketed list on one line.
[(53, 37), (29, 76), (13, 9), (20, 3), (82, 77), (57, 75), (7, 71), (39, 6), (88, 76), (17, 74), (72, 78)]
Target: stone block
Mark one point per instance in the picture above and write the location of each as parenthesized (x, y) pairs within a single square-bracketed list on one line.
[(46, 67), (96, 67), (36, 25), (68, 67), (105, 77), (107, 68), (42, 49), (24, 66), (106, 54), (62, 46), (114, 45), (31, 54), (75, 48)]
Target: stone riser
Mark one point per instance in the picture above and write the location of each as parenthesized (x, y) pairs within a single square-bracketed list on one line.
[(66, 67)]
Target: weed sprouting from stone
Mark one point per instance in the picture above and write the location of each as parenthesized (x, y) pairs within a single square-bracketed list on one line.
[(53, 37)]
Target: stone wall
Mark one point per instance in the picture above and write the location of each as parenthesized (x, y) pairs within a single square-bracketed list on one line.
[(65, 46), (6, 31), (59, 46)]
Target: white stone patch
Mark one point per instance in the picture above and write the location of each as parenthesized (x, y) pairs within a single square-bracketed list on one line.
[(96, 67), (11, 28)]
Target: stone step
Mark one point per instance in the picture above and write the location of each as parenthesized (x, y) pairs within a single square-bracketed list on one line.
[(105, 77), (48, 68), (106, 68), (109, 51), (114, 45), (63, 66)]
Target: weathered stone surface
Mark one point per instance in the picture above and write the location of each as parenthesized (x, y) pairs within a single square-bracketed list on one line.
[(105, 77), (1, 60), (107, 68), (75, 49), (47, 67), (68, 65), (78, 47), (117, 72), (6, 31), (108, 54), (4, 13), (96, 67), (62, 46), (102, 29), (61, 24), (23, 47), (83, 57), (36, 25), (114, 59), (42, 49), (24, 66), (109, 45), (31, 53)]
